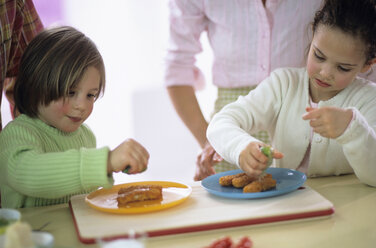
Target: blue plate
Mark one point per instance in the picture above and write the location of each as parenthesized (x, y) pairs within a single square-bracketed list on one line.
[(287, 181)]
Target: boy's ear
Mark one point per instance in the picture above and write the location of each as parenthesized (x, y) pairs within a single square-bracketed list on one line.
[(368, 65)]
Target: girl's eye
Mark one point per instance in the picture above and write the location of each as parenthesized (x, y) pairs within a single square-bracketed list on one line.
[(318, 57), (343, 69), (71, 93)]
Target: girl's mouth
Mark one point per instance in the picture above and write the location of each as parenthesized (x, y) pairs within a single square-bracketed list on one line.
[(321, 83)]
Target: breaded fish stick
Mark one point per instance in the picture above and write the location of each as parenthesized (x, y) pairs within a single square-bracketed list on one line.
[(227, 180), (240, 182), (268, 183), (255, 186), (268, 176), (260, 185), (138, 193)]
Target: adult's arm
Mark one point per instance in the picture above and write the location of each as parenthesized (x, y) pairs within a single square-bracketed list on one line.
[(26, 25), (186, 105)]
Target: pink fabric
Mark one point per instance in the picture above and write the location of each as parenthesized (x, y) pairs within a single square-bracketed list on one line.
[(248, 40), (303, 167)]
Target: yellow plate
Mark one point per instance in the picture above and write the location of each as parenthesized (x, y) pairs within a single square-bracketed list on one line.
[(105, 199)]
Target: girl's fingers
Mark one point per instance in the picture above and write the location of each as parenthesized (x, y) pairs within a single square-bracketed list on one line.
[(310, 114), (277, 154), (307, 116), (253, 172), (309, 109), (320, 130), (253, 165), (315, 123), (259, 156)]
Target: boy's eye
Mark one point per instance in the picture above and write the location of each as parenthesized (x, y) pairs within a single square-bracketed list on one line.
[(91, 95), (71, 93)]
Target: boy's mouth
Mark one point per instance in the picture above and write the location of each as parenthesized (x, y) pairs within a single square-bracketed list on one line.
[(75, 119)]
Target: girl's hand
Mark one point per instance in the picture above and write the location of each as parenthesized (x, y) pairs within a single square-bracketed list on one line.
[(129, 153), (205, 162), (329, 122), (253, 162)]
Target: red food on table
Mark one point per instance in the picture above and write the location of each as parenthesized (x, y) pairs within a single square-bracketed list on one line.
[(226, 242), (245, 242)]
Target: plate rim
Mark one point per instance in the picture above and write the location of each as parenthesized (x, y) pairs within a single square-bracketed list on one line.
[(140, 210), (255, 195)]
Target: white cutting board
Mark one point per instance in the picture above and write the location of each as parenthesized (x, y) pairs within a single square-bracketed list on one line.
[(201, 211)]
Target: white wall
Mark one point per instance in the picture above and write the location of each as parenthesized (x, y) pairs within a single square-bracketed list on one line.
[(5, 111), (132, 37)]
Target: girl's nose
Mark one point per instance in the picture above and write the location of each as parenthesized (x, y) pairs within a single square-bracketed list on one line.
[(326, 72)]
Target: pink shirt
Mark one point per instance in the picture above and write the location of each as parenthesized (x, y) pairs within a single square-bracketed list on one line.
[(303, 167), (248, 40)]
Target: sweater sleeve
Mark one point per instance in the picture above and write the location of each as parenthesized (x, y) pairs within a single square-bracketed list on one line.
[(32, 171), (230, 130), (359, 144)]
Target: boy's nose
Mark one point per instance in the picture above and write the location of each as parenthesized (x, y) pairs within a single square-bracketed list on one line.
[(79, 103)]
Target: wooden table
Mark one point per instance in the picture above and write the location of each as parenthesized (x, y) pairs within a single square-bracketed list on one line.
[(352, 225)]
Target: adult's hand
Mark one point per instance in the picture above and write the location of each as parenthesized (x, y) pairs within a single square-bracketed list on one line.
[(205, 162)]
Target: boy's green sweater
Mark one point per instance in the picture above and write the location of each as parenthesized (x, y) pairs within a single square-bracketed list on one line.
[(41, 165)]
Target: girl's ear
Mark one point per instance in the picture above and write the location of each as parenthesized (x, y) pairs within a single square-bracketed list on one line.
[(368, 65)]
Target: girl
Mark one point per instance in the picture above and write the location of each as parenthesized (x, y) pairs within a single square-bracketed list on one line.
[(322, 118), (47, 154), (248, 39)]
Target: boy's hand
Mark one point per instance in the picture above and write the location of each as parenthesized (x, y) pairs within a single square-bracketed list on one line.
[(253, 162), (129, 153), (329, 122)]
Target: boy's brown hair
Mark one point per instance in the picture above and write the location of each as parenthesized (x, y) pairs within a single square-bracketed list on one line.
[(53, 63)]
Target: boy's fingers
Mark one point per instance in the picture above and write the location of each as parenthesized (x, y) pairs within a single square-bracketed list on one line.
[(126, 169)]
